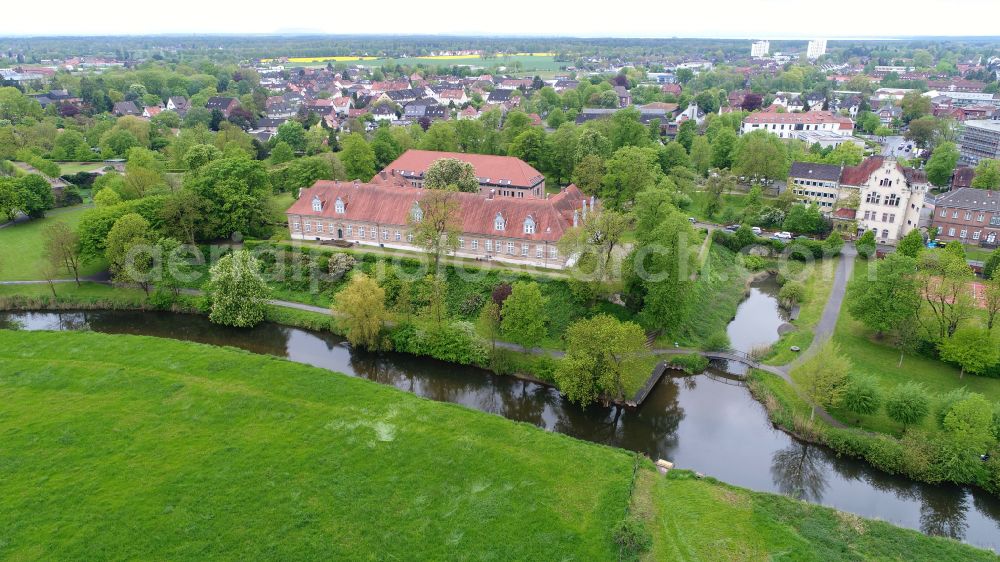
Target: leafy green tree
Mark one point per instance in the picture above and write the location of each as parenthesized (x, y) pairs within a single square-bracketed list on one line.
[(824, 376), (293, 134), (560, 151), (971, 348), (629, 171), (127, 250), (845, 154), (672, 155), (887, 298), (200, 154), (236, 193), (556, 118), (760, 155), (701, 155), (723, 147), (987, 175), (358, 157), (915, 105), (588, 174), (362, 304), (237, 291), (441, 137), (912, 244), (385, 146), (833, 244), (944, 282), (281, 153), (595, 241), (626, 130), (941, 164), (445, 172), (62, 248), (803, 219), (34, 195), (866, 245), (600, 353), (862, 395), (10, 201), (435, 223), (71, 145), (992, 264), (523, 314), (529, 146), (686, 132), (907, 403), (16, 107), (592, 143)]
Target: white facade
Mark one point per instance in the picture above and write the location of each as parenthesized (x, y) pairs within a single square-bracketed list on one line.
[(760, 49), (889, 204), (816, 48)]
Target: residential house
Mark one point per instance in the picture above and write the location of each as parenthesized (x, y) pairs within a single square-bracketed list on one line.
[(891, 197), (888, 113), (418, 108), (123, 108), (178, 104), (789, 125), (499, 95), (624, 97), (969, 215), (224, 104)]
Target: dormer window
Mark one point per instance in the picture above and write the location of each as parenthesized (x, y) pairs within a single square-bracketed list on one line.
[(529, 225), (317, 205), (338, 207), (417, 212), (498, 222)]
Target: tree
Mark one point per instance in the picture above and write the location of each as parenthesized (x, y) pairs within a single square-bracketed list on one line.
[(971, 348), (127, 250), (293, 134), (237, 291), (723, 146), (600, 352), (560, 151), (889, 297), (719, 182), (912, 244), (556, 118), (529, 146), (944, 279), (34, 195), (182, 213), (62, 248), (987, 175), (236, 193), (629, 171), (825, 376), (991, 300), (915, 105), (672, 155), (866, 245), (941, 164), (862, 395), (281, 153), (760, 155), (594, 242), (803, 219), (362, 303), (523, 314), (626, 129), (490, 318), (923, 130), (358, 157), (445, 172), (701, 155), (10, 200), (991, 265), (435, 223), (588, 174), (907, 403), (686, 132)]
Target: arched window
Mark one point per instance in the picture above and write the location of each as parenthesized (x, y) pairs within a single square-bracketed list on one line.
[(498, 222), (317, 204), (339, 206), (416, 212), (529, 225)]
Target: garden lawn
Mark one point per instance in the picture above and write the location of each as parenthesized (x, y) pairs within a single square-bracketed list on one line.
[(137, 447), (817, 279), (22, 245), (70, 168), (881, 360), (703, 519), (731, 205)]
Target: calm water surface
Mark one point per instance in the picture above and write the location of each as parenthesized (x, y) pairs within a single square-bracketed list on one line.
[(707, 422)]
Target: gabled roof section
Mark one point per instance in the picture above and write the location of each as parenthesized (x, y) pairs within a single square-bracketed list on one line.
[(489, 169)]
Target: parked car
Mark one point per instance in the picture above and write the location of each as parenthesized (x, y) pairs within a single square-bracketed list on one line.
[(783, 235), (692, 220), (756, 230)]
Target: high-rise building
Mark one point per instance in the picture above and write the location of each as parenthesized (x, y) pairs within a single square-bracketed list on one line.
[(816, 49), (980, 139), (760, 49)]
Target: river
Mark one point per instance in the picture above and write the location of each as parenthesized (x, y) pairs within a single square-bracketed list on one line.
[(707, 422)]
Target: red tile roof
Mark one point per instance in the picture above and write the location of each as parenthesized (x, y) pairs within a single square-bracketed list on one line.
[(845, 213), (495, 169), (809, 117), (365, 202)]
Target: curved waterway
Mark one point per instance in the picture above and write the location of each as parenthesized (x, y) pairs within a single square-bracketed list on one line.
[(708, 422)]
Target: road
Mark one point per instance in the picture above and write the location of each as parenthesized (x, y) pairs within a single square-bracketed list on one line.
[(895, 146)]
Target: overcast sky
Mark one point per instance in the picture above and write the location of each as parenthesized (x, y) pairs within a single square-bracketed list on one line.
[(769, 19)]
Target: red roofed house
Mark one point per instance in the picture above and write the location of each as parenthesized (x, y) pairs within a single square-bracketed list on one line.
[(789, 125), (505, 229), (504, 176)]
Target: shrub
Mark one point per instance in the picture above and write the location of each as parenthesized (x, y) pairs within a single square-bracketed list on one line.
[(719, 341), (691, 363), (632, 537), (753, 263)]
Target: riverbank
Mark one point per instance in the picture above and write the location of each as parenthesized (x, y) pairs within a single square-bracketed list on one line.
[(319, 464)]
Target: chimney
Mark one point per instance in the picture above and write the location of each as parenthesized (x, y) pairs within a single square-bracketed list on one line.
[(492, 193), (592, 202), (576, 219), (356, 184), (584, 209)]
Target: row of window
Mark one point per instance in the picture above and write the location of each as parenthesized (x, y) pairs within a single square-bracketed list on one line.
[(815, 194), (995, 221), (372, 234), (886, 217), (891, 200), (815, 183), (991, 237)]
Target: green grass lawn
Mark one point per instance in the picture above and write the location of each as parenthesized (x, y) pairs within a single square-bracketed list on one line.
[(733, 203), (70, 168), (134, 447), (881, 360), (817, 278), (703, 519), (22, 245)]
